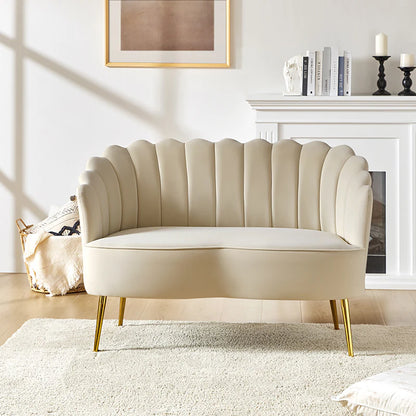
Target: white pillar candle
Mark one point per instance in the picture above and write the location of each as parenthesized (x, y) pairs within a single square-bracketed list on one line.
[(381, 45), (407, 59)]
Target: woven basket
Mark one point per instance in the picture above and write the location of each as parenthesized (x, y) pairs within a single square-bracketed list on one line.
[(23, 228)]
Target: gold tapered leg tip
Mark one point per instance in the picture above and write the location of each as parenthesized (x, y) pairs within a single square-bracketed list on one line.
[(102, 300), (333, 304), (347, 325), (121, 311)]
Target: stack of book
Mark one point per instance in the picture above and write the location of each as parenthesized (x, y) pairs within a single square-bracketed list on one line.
[(326, 73)]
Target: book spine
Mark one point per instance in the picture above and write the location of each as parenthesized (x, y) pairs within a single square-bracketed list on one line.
[(305, 76), (311, 73), (347, 73), (326, 70), (341, 75), (318, 73), (333, 91)]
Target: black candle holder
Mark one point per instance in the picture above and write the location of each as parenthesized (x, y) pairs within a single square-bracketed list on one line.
[(407, 81), (381, 83)]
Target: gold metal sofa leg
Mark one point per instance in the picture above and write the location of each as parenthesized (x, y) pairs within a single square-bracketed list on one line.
[(333, 304), (102, 300), (347, 325), (121, 311)]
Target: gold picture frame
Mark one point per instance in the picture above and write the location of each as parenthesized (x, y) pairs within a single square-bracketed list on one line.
[(216, 55)]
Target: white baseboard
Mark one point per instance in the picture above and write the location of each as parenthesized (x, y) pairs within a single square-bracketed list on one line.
[(382, 281)]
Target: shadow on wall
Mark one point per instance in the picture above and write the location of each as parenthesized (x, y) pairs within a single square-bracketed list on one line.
[(20, 199), (164, 120)]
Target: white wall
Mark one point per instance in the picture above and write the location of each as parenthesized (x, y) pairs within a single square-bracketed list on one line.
[(59, 104)]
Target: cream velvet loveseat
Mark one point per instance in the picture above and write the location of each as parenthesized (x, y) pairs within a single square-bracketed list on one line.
[(202, 219)]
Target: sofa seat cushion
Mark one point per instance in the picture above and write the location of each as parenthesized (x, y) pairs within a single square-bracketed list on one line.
[(248, 238), (192, 262)]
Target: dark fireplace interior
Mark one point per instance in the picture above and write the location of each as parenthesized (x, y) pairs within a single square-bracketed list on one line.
[(376, 260)]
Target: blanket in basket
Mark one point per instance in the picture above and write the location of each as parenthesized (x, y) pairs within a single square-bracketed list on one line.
[(54, 262), (53, 250)]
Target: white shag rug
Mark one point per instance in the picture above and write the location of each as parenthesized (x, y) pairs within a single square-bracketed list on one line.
[(190, 368)]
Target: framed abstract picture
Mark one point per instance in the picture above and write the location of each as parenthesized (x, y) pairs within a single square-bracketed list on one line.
[(168, 33)]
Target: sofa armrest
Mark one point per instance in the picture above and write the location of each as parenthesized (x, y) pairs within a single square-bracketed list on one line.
[(93, 207), (99, 200), (89, 215), (354, 202)]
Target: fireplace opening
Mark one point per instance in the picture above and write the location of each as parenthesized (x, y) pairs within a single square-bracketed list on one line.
[(376, 260)]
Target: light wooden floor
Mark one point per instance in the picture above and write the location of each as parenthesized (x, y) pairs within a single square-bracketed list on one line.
[(18, 304)]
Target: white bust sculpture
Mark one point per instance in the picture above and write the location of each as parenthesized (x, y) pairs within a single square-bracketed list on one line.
[(292, 73)]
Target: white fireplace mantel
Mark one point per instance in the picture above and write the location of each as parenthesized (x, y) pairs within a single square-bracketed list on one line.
[(350, 103), (382, 129)]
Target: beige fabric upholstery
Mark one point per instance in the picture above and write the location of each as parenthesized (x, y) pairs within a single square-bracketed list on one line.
[(202, 219), (252, 274), (245, 238)]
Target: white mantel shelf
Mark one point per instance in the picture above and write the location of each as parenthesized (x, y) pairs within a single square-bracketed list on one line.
[(383, 130), (358, 109), (325, 103)]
